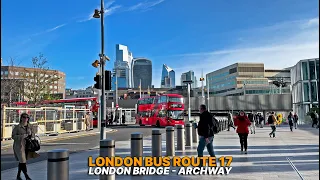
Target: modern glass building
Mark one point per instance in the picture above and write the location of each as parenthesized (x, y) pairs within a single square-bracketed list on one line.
[(246, 78), (189, 76), (168, 77), (141, 70), (305, 82), (122, 65)]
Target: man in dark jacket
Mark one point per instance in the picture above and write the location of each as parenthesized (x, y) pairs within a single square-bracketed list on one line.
[(205, 132)]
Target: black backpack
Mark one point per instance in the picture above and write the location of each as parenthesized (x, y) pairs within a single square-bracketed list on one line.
[(270, 120), (215, 126)]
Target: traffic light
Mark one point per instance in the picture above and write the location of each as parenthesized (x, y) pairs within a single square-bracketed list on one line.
[(97, 79), (108, 80), (201, 79)]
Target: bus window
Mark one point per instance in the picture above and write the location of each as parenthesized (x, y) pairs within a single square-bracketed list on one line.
[(163, 99), (162, 113)]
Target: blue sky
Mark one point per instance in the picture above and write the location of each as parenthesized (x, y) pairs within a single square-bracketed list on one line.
[(184, 34)]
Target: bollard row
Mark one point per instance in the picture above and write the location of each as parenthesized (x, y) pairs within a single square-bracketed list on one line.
[(58, 160)]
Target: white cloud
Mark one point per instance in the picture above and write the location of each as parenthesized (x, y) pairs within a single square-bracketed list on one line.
[(55, 28), (145, 5), (278, 46)]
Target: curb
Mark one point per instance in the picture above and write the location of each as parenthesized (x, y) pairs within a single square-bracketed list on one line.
[(4, 147)]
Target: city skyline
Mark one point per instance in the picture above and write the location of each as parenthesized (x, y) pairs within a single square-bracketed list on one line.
[(278, 35)]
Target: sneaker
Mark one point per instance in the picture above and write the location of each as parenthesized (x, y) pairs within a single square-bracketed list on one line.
[(245, 152)]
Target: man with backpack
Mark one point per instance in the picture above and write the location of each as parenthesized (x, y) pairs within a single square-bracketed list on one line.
[(272, 121), (207, 127)]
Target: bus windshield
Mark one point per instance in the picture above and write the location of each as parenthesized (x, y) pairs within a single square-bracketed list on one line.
[(175, 114), (176, 99)]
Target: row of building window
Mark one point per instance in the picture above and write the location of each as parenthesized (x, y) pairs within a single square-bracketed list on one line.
[(252, 82), (310, 70), (312, 88), (268, 91), (251, 69), (27, 74)]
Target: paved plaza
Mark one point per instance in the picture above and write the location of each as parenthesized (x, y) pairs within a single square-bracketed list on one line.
[(267, 157)]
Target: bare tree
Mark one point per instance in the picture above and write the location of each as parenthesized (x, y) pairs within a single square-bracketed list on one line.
[(11, 84), (38, 80)]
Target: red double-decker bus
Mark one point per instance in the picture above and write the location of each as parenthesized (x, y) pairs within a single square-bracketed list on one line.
[(144, 109), (166, 110)]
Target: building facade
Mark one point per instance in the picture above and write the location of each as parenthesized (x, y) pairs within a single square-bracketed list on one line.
[(168, 77), (30, 76), (122, 67), (246, 78), (81, 93), (141, 71), (188, 76), (305, 84)]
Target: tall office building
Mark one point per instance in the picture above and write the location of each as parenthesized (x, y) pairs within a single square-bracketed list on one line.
[(141, 70), (122, 67), (305, 86), (189, 76), (168, 77)]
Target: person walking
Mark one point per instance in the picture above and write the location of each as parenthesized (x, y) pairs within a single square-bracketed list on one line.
[(295, 120), (230, 121), (314, 117), (253, 123), (290, 120), (272, 121), (205, 132), (19, 134), (242, 122), (87, 120), (123, 119)]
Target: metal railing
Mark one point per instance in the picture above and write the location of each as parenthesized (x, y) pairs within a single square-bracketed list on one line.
[(44, 120)]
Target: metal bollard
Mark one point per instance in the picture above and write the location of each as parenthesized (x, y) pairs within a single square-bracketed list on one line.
[(156, 143), (58, 164), (136, 144), (170, 148), (107, 149), (194, 133), (180, 138), (188, 135)]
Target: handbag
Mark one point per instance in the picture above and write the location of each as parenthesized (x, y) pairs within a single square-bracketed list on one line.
[(33, 144)]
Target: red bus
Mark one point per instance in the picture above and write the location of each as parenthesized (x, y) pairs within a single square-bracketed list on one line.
[(166, 110), (144, 109)]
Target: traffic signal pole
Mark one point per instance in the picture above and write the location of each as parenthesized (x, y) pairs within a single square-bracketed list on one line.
[(102, 64)]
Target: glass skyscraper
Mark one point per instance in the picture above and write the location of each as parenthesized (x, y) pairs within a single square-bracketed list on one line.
[(122, 66), (168, 77), (189, 76), (141, 70)]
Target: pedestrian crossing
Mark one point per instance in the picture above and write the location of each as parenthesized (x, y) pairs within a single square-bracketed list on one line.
[(267, 157)]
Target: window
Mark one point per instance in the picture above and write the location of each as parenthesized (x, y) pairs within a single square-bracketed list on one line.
[(176, 114), (163, 99), (317, 68), (313, 91), (55, 87), (312, 70), (162, 113), (233, 70), (305, 71), (306, 92), (16, 73)]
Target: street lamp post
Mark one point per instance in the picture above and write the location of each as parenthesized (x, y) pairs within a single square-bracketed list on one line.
[(189, 104), (103, 58)]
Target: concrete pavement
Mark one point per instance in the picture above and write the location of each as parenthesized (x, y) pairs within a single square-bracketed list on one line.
[(76, 143), (267, 157)]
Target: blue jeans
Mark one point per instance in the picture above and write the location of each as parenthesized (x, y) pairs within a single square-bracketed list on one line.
[(202, 144)]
